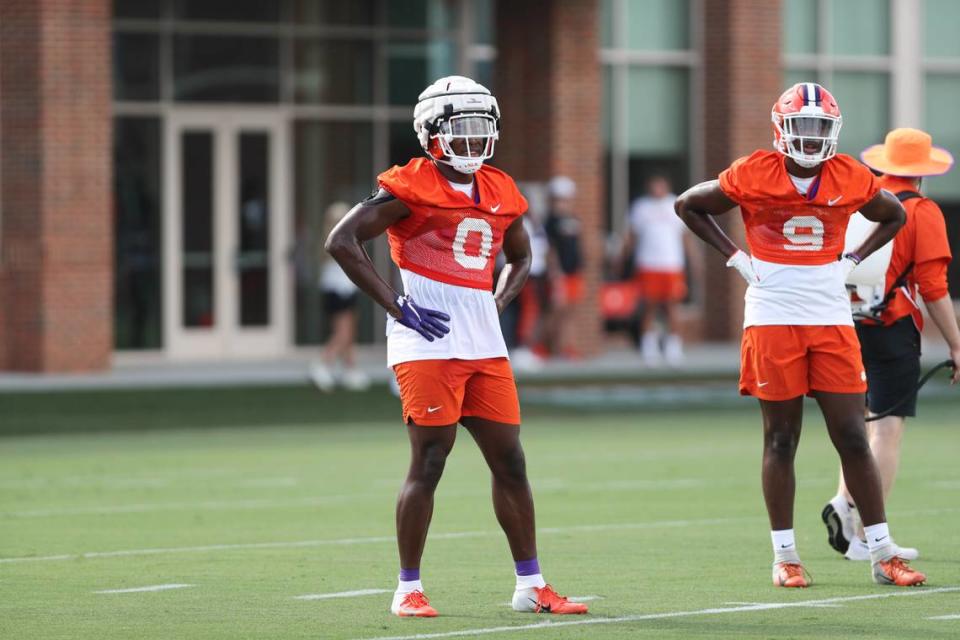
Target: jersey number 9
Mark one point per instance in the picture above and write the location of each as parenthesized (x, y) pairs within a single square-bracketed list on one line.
[(805, 233)]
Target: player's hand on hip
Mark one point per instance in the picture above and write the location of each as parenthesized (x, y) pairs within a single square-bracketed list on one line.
[(429, 323), (741, 262), (955, 356), (848, 263)]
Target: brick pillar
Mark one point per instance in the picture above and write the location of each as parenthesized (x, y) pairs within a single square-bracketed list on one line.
[(56, 266), (742, 80), (549, 84)]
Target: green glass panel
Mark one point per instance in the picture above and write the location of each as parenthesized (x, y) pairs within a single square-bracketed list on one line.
[(483, 19), (799, 23), (422, 14), (860, 27), (940, 121), (865, 99), (658, 25), (606, 23), (941, 20), (793, 76), (414, 65), (657, 110), (606, 109)]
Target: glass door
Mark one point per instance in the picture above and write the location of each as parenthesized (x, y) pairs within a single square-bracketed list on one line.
[(225, 234)]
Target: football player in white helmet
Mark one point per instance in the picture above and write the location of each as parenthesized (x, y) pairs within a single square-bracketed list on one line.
[(447, 216)]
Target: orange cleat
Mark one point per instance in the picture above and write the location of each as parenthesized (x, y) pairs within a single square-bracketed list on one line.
[(545, 600), (790, 574), (412, 605), (897, 571)]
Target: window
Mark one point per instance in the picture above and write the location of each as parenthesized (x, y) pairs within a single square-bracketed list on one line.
[(845, 46), (347, 73), (649, 61), (137, 236)]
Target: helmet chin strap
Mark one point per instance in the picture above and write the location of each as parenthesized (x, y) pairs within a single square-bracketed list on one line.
[(462, 165)]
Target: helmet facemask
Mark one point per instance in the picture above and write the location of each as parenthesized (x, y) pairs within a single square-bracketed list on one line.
[(808, 138), (466, 140)]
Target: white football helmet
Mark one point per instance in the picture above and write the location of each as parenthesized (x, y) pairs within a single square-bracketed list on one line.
[(458, 122)]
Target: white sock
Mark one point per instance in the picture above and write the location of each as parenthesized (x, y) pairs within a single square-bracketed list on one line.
[(784, 546), (879, 541), (528, 582), (407, 587)]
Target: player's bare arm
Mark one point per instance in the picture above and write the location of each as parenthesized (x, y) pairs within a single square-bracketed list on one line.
[(516, 250), (366, 221), (887, 210), (697, 207)]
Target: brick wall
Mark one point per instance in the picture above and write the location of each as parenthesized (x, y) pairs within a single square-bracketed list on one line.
[(549, 83), (742, 79), (57, 239)]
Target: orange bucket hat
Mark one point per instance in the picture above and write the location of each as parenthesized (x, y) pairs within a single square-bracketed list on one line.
[(908, 153)]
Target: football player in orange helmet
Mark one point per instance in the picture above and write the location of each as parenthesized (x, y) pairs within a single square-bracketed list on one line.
[(798, 334), (447, 216)]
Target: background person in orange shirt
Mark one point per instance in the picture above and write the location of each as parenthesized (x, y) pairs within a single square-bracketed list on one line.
[(890, 344)]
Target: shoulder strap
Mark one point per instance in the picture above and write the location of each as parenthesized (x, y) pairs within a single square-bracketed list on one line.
[(903, 196)]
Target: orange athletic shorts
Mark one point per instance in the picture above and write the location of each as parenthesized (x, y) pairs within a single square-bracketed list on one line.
[(436, 393), (780, 362), (662, 286)]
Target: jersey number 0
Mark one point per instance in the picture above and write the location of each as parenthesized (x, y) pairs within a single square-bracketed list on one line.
[(464, 229)]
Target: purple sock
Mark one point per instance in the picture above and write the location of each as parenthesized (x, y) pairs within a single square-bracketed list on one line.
[(527, 567), (409, 575)]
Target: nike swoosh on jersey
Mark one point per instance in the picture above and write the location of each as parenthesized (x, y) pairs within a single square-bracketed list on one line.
[(762, 384), (434, 409), (496, 208), (834, 201)]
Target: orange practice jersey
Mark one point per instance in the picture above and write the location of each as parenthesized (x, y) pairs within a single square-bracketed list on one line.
[(786, 227), (922, 241), (448, 236)]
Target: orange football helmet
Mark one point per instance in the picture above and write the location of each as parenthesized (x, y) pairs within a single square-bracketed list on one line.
[(806, 124)]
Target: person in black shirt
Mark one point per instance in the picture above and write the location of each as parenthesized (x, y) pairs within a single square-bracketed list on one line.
[(566, 264)]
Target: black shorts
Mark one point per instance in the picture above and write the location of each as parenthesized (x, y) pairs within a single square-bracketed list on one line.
[(334, 303), (891, 357)]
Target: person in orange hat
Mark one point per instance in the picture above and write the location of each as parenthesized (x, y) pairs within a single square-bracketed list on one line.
[(889, 318)]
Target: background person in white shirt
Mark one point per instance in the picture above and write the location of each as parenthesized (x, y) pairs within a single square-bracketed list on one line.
[(339, 296), (657, 239)]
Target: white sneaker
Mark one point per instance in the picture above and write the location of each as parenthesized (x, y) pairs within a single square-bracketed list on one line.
[(673, 350), (650, 349), (859, 551), (355, 380), (840, 520), (322, 377)]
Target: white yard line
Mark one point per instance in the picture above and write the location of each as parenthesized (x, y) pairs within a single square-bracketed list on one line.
[(156, 587), (342, 594), (669, 614), (628, 526), (955, 616), (313, 501)]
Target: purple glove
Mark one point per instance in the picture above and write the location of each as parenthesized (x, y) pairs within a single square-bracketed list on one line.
[(426, 322)]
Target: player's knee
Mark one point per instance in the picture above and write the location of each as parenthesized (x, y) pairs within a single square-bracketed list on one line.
[(782, 445), (512, 467), (429, 465), (852, 441)]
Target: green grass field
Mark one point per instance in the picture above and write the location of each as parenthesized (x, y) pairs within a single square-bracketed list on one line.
[(255, 497)]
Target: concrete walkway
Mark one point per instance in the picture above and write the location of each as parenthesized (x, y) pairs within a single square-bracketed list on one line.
[(133, 371)]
